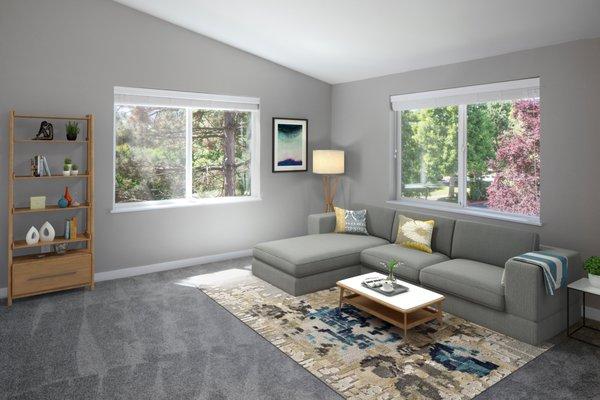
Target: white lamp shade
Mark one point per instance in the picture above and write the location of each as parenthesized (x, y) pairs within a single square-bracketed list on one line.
[(328, 162)]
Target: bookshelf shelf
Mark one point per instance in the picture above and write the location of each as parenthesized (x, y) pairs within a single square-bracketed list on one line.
[(27, 210), (53, 141), (21, 244), (30, 177), (33, 274)]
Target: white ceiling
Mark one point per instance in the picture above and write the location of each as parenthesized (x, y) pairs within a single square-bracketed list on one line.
[(345, 40)]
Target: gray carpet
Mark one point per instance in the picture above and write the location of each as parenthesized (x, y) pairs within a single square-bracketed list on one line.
[(156, 337)]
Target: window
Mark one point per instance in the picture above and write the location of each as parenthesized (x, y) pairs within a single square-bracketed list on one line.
[(474, 150), (179, 148)]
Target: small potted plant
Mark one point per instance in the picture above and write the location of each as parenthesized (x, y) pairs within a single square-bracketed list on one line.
[(388, 284), (592, 266), (66, 170), (72, 130), (68, 162), (74, 169)]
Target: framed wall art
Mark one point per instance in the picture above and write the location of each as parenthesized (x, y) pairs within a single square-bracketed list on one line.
[(290, 145)]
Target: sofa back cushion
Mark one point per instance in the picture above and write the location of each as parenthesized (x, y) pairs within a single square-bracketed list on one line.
[(379, 220), (443, 228), (489, 243)]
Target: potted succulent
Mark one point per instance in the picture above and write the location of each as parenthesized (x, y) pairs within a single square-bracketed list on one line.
[(592, 266), (74, 169), (66, 170), (68, 162), (72, 130)]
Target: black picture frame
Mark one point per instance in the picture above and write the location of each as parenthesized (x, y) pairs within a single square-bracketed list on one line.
[(289, 168)]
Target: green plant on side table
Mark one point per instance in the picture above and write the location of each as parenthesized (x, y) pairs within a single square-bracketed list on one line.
[(592, 266)]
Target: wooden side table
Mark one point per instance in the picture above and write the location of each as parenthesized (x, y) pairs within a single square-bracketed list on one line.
[(582, 285)]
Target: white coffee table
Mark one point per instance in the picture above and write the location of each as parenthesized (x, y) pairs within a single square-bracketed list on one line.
[(405, 310)]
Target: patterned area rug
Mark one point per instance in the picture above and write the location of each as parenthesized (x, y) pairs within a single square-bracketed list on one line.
[(362, 357)]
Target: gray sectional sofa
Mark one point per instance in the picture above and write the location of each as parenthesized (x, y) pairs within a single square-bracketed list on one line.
[(466, 265)]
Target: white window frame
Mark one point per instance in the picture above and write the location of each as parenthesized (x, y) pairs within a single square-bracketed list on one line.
[(190, 101), (461, 97)]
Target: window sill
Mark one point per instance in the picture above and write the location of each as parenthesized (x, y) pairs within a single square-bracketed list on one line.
[(179, 203), (521, 219)]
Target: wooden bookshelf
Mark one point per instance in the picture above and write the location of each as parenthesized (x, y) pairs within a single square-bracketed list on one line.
[(33, 274)]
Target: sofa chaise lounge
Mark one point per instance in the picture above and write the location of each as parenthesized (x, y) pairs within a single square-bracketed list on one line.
[(466, 265)]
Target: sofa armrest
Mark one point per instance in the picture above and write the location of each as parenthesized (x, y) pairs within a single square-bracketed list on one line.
[(321, 223), (525, 292)]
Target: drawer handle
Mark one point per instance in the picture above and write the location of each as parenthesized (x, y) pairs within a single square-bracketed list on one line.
[(52, 276)]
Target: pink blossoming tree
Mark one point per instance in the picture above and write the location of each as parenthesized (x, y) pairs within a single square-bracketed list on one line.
[(516, 186)]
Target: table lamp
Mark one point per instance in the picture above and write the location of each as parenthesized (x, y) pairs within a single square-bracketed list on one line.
[(330, 164)]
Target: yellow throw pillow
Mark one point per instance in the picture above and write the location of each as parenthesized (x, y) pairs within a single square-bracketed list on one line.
[(351, 221), (340, 220), (415, 234)]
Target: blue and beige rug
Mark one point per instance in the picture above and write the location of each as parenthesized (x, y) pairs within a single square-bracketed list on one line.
[(362, 357)]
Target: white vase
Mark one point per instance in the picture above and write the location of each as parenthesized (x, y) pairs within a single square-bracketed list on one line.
[(33, 236), (47, 232), (594, 280)]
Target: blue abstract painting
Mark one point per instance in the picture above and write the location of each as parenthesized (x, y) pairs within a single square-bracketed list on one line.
[(289, 145)]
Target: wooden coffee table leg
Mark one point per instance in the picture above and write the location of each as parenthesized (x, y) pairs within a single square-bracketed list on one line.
[(341, 299), (405, 324), (440, 314)]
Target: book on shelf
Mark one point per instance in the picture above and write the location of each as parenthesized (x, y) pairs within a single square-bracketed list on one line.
[(73, 230), (67, 229), (39, 166)]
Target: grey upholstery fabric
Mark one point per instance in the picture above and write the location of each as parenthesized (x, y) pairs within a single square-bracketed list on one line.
[(489, 243), (299, 286), (443, 229), (525, 292), (312, 254), (321, 223), (471, 280), (412, 261), (379, 220)]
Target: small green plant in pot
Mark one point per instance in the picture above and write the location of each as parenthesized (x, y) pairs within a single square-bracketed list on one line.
[(68, 162), (391, 266), (74, 169), (66, 170), (592, 266), (72, 130)]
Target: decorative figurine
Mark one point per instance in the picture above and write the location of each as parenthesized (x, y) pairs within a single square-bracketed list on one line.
[(67, 196), (63, 203), (46, 131), (33, 236), (47, 232)]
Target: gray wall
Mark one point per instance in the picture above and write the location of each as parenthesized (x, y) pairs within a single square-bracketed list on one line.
[(570, 102), (65, 56)]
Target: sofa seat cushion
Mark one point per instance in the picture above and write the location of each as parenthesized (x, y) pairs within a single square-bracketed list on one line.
[(312, 254), (475, 281), (413, 260)]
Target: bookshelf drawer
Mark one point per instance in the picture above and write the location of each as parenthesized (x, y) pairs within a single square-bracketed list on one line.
[(40, 275)]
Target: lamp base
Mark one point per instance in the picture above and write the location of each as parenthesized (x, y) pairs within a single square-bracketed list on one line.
[(330, 184)]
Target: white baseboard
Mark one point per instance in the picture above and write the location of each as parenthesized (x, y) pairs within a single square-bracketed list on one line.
[(163, 266), (167, 265)]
